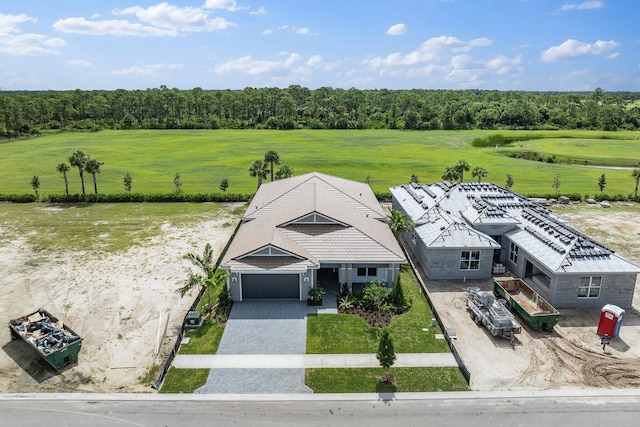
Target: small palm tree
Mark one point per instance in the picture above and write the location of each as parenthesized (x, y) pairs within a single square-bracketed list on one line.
[(636, 175), (462, 166), (398, 222), (206, 277), (63, 168), (259, 170), (79, 160), (272, 158), (284, 172), (479, 173), (93, 167), (35, 184), (451, 174)]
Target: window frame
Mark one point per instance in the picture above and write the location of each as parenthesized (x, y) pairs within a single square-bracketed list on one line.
[(513, 252), (588, 289), (470, 260), (367, 272)]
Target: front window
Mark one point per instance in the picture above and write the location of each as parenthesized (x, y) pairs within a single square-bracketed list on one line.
[(470, 260), (513, 252), (367, 271), (590, 287)]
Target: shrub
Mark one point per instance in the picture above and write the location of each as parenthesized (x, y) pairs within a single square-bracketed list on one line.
[(374, 295), (315, 295), (397, 300)]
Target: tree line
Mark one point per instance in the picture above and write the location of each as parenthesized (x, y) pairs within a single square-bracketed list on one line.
[(296, 107)]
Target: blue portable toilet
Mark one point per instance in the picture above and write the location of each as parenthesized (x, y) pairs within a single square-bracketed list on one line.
[(610, 321)]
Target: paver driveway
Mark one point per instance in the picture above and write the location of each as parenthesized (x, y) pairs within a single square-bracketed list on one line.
[(262, 327)]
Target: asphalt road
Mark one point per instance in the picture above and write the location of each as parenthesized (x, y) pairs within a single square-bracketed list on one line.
[(470, 409)]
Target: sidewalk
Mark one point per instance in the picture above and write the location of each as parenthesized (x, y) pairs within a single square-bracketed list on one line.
[(303, 361)]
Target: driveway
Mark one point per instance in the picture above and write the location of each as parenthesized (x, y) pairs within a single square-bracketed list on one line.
[(262, 327)]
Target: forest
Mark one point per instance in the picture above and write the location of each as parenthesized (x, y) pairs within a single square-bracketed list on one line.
[(25, 113)]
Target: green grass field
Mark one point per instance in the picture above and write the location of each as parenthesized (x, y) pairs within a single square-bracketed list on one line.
[(389, 157)]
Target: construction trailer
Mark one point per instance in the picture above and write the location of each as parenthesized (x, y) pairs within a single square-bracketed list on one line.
[(492, 314), (54, 341)]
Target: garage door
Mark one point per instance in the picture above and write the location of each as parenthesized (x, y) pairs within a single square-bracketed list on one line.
[(270, 286)]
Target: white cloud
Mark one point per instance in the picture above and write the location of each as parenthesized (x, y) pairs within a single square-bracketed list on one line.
[(267, 31), (79, 63), (429, 51), (581, 6), (145, 70), (248, 65), (10, 23), (397, 30), (572, 48), (29, 44), (304, 31), (167, 16), (261, 11), (222, 4), (614, 55), (314, 61), (110, 27)]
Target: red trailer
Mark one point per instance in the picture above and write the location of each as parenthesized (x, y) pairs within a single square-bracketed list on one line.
[(610, 321)]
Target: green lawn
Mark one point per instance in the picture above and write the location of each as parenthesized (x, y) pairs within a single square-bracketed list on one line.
[(203, 340), (204, 157), (343, 333), (368, 380), (184, 380)]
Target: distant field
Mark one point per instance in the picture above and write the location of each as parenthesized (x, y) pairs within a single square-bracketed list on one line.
[(204, 157)]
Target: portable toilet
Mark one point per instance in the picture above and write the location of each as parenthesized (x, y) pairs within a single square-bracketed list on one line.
[(610, 320)]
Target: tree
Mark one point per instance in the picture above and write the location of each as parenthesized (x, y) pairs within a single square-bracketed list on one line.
[(272, 158), (205, 277), (636, 175), (479, 173), (63, 168), (368, 179), (284, 172), (127, 181), (259, 170), (79, 160), (386, 355), (451, 174), (177, 182), (93, 167), (462, 166), (35, 184), (414, 178), (399, 222), (509, 183), (556, 184), (224, 184), (602, 182)]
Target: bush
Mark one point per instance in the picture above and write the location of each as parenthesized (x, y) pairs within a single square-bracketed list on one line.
[(396, 298), (139, 198), (17, 198), (315, 295), (374, 295)]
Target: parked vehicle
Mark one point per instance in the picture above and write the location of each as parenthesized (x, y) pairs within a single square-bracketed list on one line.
[(531, 307), (492, 314), (54, 341)]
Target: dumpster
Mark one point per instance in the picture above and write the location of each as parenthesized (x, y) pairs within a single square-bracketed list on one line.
[(54, 341), (610, 321), (522, 299)]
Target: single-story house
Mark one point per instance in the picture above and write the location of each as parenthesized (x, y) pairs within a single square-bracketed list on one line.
[(301, 232), (476, 230)]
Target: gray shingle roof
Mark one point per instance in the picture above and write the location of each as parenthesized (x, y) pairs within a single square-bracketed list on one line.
[(537, 230)]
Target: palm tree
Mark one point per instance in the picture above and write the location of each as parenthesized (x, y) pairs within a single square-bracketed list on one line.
[(259, 170), (479, 173), (79, 160), (451, 174), (636, 175), (63, 168), (284, 172), (398, 222), (206, 277), (462, 166), (93, 167), (272, 158)]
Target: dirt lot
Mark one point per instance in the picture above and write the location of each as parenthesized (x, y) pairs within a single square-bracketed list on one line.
[(569, 357), (118, 303)]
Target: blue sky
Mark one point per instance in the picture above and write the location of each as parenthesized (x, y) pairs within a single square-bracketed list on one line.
[(545, 45)]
